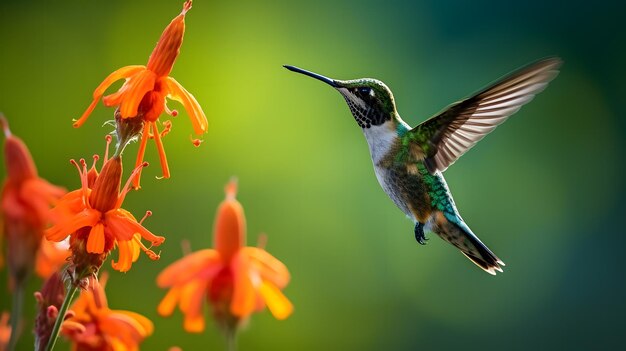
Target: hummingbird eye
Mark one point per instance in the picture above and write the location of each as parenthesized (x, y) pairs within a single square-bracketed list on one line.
[(365, 91)]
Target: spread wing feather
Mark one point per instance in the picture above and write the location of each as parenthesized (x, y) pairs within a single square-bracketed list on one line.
[(443, 138)]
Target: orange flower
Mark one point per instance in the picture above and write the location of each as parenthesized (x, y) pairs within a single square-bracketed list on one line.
[(237, 280), (143, 95), (51, 257), (26, 201), (93, 216), (96, 327)]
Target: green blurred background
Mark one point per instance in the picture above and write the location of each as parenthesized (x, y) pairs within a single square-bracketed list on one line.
[(544, 191)]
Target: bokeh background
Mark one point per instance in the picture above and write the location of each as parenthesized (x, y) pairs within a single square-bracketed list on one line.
[(544, 191)]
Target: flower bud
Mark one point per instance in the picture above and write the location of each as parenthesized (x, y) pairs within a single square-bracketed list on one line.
[(106, 189)]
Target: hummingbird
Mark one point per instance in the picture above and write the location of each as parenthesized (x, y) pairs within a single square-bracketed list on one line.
[(409, 162)]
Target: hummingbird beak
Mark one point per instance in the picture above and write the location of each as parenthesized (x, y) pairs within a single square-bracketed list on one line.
[(333, 83)]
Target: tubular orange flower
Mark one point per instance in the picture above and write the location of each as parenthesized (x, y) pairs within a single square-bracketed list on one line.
[(95, 327), (26, 201), (93, 216), (143, 95), (237, 280)]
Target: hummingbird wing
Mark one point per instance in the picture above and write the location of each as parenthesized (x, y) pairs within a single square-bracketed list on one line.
[(443, 138)]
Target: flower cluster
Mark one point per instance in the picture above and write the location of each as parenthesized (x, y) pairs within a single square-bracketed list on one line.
[(95, 221), (142, 98), (45, 228)]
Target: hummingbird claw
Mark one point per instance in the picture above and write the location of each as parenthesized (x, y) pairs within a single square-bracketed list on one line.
[(419, 234)]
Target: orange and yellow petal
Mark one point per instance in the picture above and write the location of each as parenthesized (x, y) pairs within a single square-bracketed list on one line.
[(95, 241), (118, 345), (269, 267), (126, 249), (123, 226), (116, 98), (146, 325), (194, 323), (191, 105), (136, 247), (84, 218), (128, 327), (123, 72), (73, 202), (169, 302), (191, 298), (138, 86), (201, 263), (244, 294), (276, 301)]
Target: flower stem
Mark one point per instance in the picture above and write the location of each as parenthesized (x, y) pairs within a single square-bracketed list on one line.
[(16, 314), (57, 324), (231, 341)]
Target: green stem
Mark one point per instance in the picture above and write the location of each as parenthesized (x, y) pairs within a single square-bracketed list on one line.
[(231, 341), (57, 324), (16, 314)]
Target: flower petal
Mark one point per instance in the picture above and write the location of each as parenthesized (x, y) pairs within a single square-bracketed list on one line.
[(194, 324), (167, 305), (138, 86), (244, 295), (117, 97), (125, 258), (124, 327), (136, 249), (95, 241), (189, 267), (146, 324), (269, 267), (178, 93), (123, 72), (85, 218), (276, 302), (191, 305), (123, 226)]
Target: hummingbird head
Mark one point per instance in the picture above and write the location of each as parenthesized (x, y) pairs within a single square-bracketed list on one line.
[(370, 100)]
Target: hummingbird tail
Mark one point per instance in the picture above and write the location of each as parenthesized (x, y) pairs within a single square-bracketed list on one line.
[(457, 233)]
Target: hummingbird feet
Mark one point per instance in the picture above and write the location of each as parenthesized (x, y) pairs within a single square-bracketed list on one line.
[(419, 233)]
